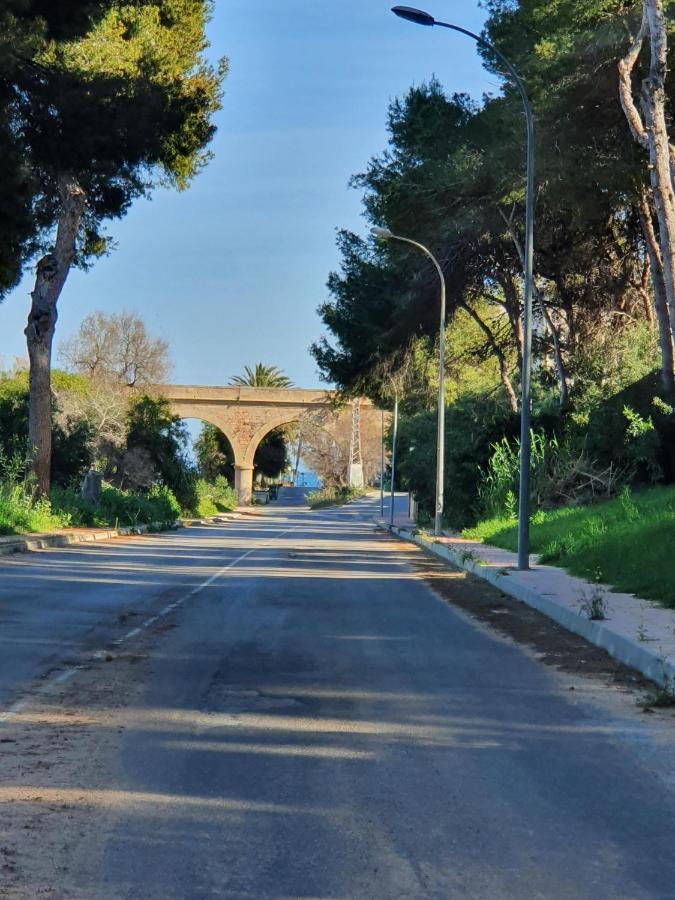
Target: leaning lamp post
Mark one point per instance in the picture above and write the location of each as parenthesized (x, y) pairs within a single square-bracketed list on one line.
[(383, 234), (423, 18)]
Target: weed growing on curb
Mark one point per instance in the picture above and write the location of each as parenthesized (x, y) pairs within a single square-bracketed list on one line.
[(468, 555), (660, 697), (593, 603)]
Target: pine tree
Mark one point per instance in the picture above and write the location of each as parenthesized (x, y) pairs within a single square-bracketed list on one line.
[(104, 100)]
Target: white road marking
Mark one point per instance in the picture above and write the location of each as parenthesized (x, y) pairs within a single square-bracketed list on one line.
[(62, 677), (13, 711), (65, 676)]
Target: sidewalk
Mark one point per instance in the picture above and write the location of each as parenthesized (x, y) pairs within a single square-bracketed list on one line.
[(637, 632)]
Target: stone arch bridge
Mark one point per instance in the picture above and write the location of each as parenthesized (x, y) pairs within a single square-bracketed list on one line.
[(246, 415)]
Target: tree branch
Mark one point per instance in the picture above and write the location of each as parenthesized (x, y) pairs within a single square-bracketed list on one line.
[(626, 67)]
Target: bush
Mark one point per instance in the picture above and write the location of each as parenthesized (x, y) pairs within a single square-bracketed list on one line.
[(634, 429), (473, 424), (71, 437), (333, 496), (21, 513), (215, 497), (117, 507), (559, 474)]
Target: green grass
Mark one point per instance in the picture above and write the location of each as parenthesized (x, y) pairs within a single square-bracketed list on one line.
[(216, 497), (117, 507), (629, 541), (332, 496), (21, 513)]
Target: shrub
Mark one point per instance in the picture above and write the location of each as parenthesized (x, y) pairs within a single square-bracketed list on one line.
[(559, 474), (20, 512), (214, 497), (473, 424), (117, 507), (635, 429), (333, 496)]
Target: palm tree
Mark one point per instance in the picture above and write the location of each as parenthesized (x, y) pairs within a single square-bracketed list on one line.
[(262, 377)]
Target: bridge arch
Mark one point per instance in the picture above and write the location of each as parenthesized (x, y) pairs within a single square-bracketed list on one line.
[(274, 422), (245, 415)]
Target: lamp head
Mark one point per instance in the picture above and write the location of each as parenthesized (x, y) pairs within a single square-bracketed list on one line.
[(381, 234), (418, 16)]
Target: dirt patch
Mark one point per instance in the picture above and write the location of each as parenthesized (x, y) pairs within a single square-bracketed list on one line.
[(58, 758), (552, 644)]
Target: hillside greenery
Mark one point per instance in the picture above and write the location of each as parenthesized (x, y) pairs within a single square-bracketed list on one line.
[(452, 177)]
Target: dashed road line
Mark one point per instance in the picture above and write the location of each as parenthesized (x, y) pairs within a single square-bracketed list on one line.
[(67, 674)]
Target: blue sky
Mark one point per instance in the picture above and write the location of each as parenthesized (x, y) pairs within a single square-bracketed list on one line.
[(231, 272)]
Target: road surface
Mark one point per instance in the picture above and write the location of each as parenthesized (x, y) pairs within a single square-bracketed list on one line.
[(292, 712)]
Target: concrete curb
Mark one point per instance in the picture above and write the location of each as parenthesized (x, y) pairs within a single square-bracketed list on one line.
[(26, 543), (29, 542), (627, 650)]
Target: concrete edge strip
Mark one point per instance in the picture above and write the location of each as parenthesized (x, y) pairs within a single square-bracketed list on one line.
[(624, 649), (27, 543)]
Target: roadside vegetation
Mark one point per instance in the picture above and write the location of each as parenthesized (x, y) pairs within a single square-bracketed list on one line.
[(603, 459), (625, 542), (22, 512), (107, 420), (333, 496), (102, 102)]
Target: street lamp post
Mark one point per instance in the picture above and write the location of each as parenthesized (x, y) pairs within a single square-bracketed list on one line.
[(423, 18), (383, 234), (394, 439), (382, 469)]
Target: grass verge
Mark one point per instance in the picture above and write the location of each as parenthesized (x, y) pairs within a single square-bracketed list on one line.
[(626, 543), (333, 496), (22, 513)]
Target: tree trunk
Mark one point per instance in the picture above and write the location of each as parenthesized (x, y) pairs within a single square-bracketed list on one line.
[(52, 272), (651, 132), (553, 331), (560, 369), (298, 457), (660, 304), (645, 293), (498, 352)]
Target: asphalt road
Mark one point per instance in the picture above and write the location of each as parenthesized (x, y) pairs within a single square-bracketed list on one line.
[(319, 724)]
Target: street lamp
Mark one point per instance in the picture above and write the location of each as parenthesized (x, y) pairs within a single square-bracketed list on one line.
[(382, 468), (383, 234), (420, 17), (394, 440)]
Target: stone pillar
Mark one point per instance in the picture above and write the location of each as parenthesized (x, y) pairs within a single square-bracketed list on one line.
[(243, 484)]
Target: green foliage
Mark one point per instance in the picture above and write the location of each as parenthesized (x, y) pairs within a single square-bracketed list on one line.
[(116, 95), (71, 449), (271, 457), (21, 512), (642, 446), (117, 507), (473, 424), (629, 539), (559, 473), (262, 376), (214, 454), (156, 430), (634, 429), (332, 496), (215, 497)]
